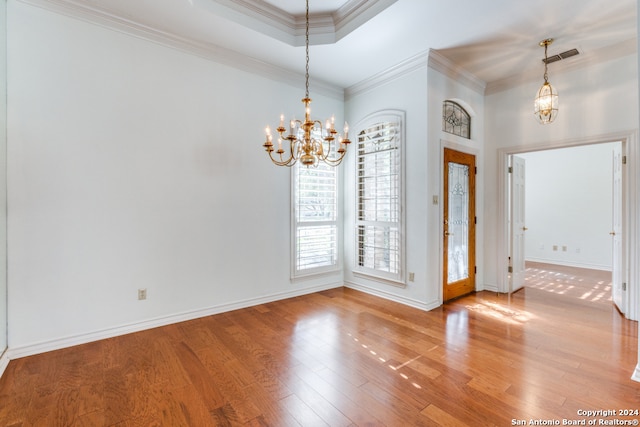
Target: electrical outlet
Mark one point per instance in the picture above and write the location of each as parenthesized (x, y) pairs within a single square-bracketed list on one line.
[(142, 294), (564, 249), (412, 277), (555, 247)]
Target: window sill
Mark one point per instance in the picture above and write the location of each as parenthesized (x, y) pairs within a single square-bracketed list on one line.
[(381, 279), (315, 275)]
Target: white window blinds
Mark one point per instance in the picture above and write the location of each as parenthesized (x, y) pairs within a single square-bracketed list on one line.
[(379, 199), (315, 218)]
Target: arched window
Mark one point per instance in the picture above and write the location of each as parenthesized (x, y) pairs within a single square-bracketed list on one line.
[(379, 196), (456, 120)]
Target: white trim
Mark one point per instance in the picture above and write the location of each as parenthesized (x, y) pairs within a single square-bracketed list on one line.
[(296, 274), (4, 362), (636, 374), (585, 59), (405, 67), (69, 341), (570, 264), (631, 210), (394, 279), (380, 278), (394, 297), (215, 53), (443, 65), (270, 20)]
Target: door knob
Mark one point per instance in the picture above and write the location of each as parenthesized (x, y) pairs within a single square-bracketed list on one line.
[(524, 228), (613, 233), (447, 234)]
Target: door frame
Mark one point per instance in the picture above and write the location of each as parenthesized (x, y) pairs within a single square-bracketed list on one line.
[(630, 210), (479, 193)]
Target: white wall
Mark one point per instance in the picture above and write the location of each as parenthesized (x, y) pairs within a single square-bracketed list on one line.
[(3, 177), (135, 165), (409, 94), (442, 87), (569, 197), (420, 94), (600, 99), (636, 373)]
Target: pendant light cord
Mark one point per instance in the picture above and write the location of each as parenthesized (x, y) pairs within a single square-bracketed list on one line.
[(546, 75)]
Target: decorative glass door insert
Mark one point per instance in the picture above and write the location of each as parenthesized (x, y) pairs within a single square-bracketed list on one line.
[(459, 224)]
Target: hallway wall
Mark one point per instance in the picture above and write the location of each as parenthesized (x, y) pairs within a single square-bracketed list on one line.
[(569, 206)]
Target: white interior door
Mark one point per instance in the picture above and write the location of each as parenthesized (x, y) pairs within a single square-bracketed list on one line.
[(518, 226), (617, 276)]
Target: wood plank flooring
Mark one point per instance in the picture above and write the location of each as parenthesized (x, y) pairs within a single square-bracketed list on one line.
[(342, 358)]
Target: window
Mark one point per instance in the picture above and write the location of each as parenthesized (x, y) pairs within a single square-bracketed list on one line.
[(456, 120), (379, 197), (315, 233)]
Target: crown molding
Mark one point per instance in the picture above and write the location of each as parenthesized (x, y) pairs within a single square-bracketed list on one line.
[(405, 67), (98, 16), (625, 48), (272, 21), (440, 63), (355, 13)]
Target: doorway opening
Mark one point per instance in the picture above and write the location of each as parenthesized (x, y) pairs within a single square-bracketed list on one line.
[(572, 217), (564, 231)]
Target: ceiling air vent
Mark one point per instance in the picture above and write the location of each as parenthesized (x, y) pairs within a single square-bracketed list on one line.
[(563, 55)]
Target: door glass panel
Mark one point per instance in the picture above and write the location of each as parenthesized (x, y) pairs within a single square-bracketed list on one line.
[(458, 223)]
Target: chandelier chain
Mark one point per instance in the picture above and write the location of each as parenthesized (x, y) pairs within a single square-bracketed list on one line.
[(307, 52), (309, 142)]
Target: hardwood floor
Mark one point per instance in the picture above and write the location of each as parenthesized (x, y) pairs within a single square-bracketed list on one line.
[(342, 358), (588, 285)]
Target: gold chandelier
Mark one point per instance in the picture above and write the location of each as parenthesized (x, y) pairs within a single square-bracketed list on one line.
[(309, 142), (546, 101)]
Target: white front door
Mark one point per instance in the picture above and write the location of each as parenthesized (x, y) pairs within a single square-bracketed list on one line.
[(617, 276), (518, 226)]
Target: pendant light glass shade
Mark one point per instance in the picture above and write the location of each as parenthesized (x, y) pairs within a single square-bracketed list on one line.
[(546, 104)]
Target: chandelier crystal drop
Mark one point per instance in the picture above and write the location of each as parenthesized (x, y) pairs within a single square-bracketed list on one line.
[(546, 101), (308, 141)]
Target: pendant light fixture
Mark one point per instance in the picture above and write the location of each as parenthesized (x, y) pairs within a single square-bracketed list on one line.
[(546, 101), (309, 142)]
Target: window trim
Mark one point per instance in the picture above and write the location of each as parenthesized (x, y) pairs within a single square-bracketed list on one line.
[(296, 274), (394, 279)]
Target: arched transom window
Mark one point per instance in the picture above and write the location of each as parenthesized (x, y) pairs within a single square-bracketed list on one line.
[(456, 120)]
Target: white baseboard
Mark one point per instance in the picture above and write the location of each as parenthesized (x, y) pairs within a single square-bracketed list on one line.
[(570, 264), (4, 362), (56, 344), (636, 374), (393, 297), (489, 287)]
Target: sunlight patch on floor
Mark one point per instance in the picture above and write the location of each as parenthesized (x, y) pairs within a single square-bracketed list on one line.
[(501, 312), (569, 284), (392, 367)]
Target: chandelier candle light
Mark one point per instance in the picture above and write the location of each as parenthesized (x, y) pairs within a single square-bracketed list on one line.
[(546, 101), (309, 142)]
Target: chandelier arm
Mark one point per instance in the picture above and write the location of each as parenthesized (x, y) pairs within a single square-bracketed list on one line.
[(289, 162), (303, 146), (336, 161)]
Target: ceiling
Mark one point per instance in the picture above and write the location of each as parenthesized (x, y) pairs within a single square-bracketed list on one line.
[(353, 40)]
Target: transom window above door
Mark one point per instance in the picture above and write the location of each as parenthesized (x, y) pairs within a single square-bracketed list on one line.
[(456, 120)]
